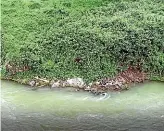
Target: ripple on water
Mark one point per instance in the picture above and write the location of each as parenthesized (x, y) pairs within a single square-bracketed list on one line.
[(140, 108)]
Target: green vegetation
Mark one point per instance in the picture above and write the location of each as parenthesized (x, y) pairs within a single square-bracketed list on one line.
[(84, 38)]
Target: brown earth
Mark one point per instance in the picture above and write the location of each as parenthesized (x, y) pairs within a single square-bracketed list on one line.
[(120, 82)]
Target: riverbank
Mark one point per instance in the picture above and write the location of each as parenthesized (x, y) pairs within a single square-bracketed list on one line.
[(122, 81)]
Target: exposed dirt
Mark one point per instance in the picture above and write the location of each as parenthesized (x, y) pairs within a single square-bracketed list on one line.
[(12, 69), (120, 82)]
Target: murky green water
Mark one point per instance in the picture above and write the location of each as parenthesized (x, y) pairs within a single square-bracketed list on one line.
[(139, 109)]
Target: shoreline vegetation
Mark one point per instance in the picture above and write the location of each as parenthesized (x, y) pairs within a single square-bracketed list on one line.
[(121, 82), (93, 45)]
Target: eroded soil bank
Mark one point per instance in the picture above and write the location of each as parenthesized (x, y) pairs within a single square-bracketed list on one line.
[(122, 81)]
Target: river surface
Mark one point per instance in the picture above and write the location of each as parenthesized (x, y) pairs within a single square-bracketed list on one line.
[(138, 109)]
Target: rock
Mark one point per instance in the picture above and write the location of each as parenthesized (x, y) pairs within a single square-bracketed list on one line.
[(88, 88), (75, 82), (118, 83), (42, 79), (32, 83), (94, 84), (37, 84), (64, 84), (51, 82), (94, 90), (55, 84)]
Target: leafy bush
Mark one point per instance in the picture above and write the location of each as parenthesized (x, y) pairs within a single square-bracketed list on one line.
[(93, 40)]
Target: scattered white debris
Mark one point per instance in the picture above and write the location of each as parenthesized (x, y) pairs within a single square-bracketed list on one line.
[(88, 88), (56, 84), (32, 83), (76, 82)]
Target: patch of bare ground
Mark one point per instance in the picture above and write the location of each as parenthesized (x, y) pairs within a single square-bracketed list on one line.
[(120, 82)]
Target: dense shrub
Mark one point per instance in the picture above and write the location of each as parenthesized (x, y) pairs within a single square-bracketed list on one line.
[(96, 41)]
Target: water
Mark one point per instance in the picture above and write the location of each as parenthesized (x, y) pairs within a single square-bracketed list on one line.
[(138, 109)]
